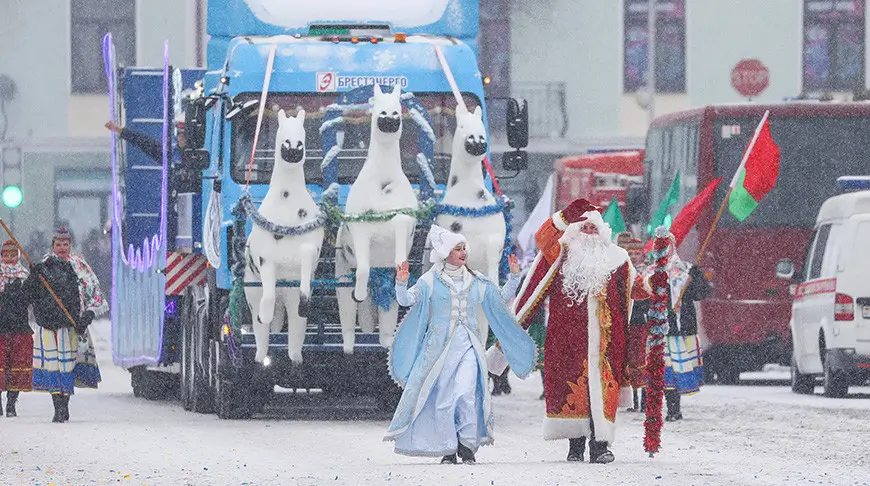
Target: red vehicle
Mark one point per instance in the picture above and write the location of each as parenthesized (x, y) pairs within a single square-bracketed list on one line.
[(596, 177), (745, 324)]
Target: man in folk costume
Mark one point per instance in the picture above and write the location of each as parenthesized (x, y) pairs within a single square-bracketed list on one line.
[(16, 336), (63, 352), (684, 372), (438, 353), (638, 326), (591, 284)]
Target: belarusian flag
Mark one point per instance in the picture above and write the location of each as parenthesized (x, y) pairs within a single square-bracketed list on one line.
[(757, 173), (613, 217)]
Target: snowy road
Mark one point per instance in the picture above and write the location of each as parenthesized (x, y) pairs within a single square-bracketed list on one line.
[(731, 435)]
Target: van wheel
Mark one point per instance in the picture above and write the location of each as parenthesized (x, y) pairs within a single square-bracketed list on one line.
[(836, 384), (800, 383)]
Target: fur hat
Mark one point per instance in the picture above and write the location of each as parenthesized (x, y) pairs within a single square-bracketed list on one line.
[(9, 245), (443, 242), (547, 236), (61, 234), (628, 242)]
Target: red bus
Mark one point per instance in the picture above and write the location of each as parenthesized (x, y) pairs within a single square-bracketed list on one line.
[(596, 177), (745, 324)]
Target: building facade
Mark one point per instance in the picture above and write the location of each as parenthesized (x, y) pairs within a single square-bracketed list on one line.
[(55, 100), (596, 51)]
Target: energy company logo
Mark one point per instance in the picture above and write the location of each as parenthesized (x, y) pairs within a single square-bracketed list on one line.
[(327, 82)]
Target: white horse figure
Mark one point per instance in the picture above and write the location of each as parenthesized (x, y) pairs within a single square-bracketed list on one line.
[(270, 257), (381, 186), (465, 188)]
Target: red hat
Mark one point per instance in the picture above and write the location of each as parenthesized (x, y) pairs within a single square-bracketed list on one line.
[(9, 245), (547, 236), (575, 211)]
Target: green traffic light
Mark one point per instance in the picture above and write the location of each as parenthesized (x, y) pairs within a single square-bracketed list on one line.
[(12, 196)]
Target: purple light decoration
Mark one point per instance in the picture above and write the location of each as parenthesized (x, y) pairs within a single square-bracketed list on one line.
[(146, 257)]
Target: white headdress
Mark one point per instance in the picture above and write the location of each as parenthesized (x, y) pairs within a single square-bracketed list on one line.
[(443, 242)]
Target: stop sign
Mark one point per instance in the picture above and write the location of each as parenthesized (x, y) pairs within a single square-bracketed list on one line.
[(750, 77)]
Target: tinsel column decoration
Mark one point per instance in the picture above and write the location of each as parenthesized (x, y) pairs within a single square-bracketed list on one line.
[(655, 361)]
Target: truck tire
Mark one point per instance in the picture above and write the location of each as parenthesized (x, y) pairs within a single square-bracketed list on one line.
[(151, 385), (801, 383), (729, 374), (836, 381), (389, 396)]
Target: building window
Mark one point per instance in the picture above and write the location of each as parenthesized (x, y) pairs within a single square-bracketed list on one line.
[(670, 69), (90, 20), (833, 45)]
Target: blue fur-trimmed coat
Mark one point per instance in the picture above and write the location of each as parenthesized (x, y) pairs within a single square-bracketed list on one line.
[(422, 341)]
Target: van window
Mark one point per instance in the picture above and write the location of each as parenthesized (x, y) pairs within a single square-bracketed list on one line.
[(859, 260), (832, 251), (819, 252)]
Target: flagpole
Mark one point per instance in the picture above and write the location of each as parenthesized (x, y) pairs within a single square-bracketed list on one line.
[(722, 206)]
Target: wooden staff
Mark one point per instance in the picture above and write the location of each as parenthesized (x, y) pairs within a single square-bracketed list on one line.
[(41, 277)]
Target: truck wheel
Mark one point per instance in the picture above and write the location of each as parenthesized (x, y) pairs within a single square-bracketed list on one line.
[(836, 381), (800, 383), (389, 396)]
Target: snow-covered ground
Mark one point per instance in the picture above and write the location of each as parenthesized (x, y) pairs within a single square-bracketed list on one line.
[(731, 435)]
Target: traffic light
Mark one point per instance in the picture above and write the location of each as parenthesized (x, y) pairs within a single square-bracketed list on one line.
[(11, 175)]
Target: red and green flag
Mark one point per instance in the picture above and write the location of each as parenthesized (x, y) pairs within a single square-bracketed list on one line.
[(757, 173), (613, 217)]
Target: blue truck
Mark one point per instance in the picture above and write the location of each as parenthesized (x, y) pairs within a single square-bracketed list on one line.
[(176, 238)]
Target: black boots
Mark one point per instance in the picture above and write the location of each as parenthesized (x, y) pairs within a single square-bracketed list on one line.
[(61, 408), (576, 449), (12, 399), (464, 453), (673, 400), (500, 384), (598, 451)]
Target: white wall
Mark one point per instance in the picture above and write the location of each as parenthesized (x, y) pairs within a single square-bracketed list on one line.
[(719, 34), (578, 42), (34, 51)]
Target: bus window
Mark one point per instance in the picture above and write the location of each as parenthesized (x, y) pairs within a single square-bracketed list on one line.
[(814, 151)]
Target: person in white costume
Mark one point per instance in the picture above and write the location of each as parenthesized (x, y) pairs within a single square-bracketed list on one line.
[(438, 353)]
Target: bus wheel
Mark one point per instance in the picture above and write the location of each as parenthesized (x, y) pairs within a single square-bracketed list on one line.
[(800, 383)]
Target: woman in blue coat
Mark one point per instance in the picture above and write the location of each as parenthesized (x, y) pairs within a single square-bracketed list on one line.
[(438, 353)]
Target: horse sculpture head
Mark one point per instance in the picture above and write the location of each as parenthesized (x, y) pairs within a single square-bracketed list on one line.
[(387, 114), (470, 136), (290, 139)]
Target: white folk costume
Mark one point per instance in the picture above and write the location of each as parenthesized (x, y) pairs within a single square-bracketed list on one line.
[(438, 356), (591, 285), (16, 336), (63, 353)]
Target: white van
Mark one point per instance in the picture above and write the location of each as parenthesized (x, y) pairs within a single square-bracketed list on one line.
[(830, 317)]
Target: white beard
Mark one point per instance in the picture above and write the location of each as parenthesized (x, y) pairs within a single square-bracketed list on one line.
[(585, 269)]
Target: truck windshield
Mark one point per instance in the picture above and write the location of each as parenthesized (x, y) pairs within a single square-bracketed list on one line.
[(814, 151), (441, 107)]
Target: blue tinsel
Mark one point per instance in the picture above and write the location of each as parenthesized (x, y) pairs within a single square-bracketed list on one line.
[(502, 205), (298, 230), (382, 286)]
